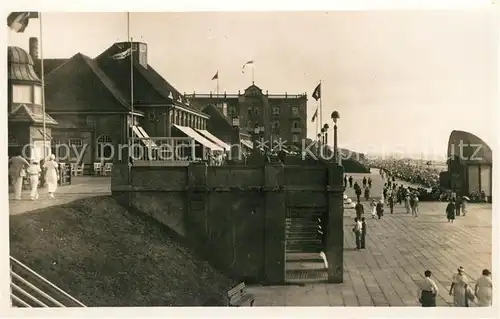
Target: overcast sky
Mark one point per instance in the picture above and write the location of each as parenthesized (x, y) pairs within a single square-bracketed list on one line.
[(401, 80)]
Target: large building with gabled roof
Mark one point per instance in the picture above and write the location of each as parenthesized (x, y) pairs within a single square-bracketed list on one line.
[(90, 98)]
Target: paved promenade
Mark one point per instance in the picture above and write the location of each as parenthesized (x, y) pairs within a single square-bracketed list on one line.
[(399, 248), (81, 187)]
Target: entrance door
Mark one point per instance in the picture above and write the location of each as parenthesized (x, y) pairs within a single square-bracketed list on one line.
[(304, 244), (486, 179), (473, 175)]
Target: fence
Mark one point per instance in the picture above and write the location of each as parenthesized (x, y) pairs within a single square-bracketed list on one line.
[(30, 290)]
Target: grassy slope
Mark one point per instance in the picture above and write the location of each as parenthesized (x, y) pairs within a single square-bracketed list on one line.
[(105, 256)]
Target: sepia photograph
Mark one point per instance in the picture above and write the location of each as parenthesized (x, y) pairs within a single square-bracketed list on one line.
[(251, 159)]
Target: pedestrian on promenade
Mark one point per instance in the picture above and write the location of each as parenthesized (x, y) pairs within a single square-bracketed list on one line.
[(367, 193), (345, 180), (483, 289), (427, 291), (390, 200), (350, 181), (384, 192), (51, 175), (33, 172), (360, 210), (373, 208), (370, 182), (357, 189), (363, 233), (17, 165), (458, 288), (357, 232), (412, 204), (380, 209), (464, 206), (364, 182), (458, 204), (450, 211), (408, 203), (415, 205)]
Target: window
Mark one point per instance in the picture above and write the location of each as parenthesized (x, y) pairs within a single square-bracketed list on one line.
[(21, 94), (249, 124), (104, 147), (231, 110), (295, 124), (276, 110), (256, 111), (250, 111), (38, 95), (295, 138), (275, 125), (75, 142), (143, 55), (295, 111)]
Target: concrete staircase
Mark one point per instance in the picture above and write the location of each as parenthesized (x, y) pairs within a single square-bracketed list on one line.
[(304, 263)]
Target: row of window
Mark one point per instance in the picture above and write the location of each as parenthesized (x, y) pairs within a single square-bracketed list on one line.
[(78, 142), (276, 124), (28, 94), (184, 119), (295, 111)]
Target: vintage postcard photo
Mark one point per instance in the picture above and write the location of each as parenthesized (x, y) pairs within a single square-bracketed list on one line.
[(251, 159)]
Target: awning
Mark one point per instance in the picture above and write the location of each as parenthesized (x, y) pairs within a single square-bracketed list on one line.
[(151, 142), (215, 139), (198, 138), (143, 136), (247, 143)]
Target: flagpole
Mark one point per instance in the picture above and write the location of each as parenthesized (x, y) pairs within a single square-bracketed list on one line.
[(217, 83), (42, 71), (253, 78), (320, 104), (131, 78)]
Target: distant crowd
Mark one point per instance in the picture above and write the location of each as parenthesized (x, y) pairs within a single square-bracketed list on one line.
[(424, 175)]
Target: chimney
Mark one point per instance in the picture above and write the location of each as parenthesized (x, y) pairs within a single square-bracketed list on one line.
[(34, 48)]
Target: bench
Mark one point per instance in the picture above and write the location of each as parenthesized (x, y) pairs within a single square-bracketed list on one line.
[(238, 297)]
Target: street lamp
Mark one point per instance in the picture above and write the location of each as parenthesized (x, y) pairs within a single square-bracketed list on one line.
[(322, 135), (326, 127), (335, 117)]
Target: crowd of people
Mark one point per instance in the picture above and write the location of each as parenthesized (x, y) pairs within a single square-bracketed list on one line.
[(425, 175), (393, 194)]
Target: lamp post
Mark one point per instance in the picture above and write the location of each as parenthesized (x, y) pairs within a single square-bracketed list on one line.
[(335, 117), (325, 128)]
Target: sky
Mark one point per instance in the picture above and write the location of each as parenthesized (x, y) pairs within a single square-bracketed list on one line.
[(401, 80)]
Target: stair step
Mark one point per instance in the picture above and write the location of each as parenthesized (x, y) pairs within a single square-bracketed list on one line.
[(305, 266), (306, 257)]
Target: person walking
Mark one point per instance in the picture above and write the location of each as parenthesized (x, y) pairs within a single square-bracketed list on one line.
[(357, 232), (380, 209), (364, 182), (345, 180), (450, 211), (464, 206), (483, 289), (458, 288), (458, 204), (408, 204), (51, 175), (373, 208), (367, 193), (427, 291), (369, 182), (363, 233), (360, 210), (33, 172), (357, 189), (390, 200), (17, 165), (414, 207), (350, 181)]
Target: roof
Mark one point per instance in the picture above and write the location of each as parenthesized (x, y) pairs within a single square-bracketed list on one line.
[(23, 113), (214, 110), (48, 65), (20, 66), (80, 84), (474, 149)]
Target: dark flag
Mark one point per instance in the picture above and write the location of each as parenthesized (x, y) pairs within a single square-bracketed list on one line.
[(18, 21), (317, 92), (216, 76)]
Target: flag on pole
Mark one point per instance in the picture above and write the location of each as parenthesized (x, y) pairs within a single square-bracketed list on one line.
[(216, 76), (244, 65), (315, 115), (317, 92), (121, 55), (18, 21)]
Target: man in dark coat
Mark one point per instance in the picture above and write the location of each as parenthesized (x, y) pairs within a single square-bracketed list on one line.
[(360, 210), (364, 182), (350, 181), (363, 233), (380, 209), (358, 191)]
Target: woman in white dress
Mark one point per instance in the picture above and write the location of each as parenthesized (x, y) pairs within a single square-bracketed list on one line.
[(51, 175), (483, 289), (34, 171), (373, 206), (458, 288)]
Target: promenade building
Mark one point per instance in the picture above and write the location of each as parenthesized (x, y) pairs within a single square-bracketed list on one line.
[(273, 115)]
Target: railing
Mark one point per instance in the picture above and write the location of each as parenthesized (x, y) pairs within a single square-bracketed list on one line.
[(30, 290), (233, 96), (165, 151)]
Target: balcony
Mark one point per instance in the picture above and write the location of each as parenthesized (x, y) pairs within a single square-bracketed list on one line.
[(296, 130)]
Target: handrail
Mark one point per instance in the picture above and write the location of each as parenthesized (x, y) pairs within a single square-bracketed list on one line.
[(16, 298), (47, 282), (27, 283), (27, 294)]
